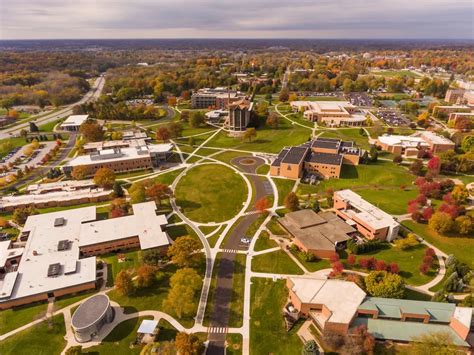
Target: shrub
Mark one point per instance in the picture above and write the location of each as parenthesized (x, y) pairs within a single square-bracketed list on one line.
[(384, 284), (407, 243), (351, 259)]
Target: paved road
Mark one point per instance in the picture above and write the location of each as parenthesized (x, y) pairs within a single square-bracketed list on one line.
[(223, 292), (94, 93)]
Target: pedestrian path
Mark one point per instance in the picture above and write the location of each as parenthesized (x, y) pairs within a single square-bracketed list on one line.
[(218, 330)]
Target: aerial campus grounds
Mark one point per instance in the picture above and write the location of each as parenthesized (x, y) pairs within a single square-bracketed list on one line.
[(269, 240)]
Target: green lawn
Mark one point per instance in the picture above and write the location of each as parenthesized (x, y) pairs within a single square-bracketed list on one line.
[(264, 242), (48, 127), (215, 237), (275, 227), (238, 287), (212, 291), (13, 318), (45, 338), (6, 145), (118, 341), (284, 187), (234, 344), (393, 201), (132, 261), (417, 296), (277, 262), (268, 334), (263, 169), (210, 193), (408, 260), (65, 301), (396, 73), (315, 265), (461, 247), (268, 140)]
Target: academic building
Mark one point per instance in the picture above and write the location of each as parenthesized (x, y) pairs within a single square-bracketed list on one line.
[(410, 146), (330, 113), (323, 157), (55, 252), (217, 98), (339, 306)]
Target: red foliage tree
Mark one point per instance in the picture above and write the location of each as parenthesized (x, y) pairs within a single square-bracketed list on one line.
[(434, 164), (420, 181), (427, 213), (428, 260), (334, 258), (424, 268), (413, 206), (261, 205), (430, 252), (372, 262), (394, 268), (364, 263), (380, 265), (351, 259), (448, 198), (430, 189), (452, 210), (421, 199), (117, 212), (337, 267)]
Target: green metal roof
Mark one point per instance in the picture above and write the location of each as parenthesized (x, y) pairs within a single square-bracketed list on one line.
[(404, 331), (393, 308)]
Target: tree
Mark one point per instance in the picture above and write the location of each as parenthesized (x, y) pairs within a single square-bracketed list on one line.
[(158, 192), (104, 177), (4, 223), (118, 190), (145, 276), (74, 350), (384, 284), (273, 120), (79, 172), (351, 259), (310, 348), (21, 214), (124, 283), (460, 194), (137, 195), (441, 222), (92, 131), (151, 256), (467, 143), (397, 159), (184, 251), (284, 95), (175, 129), (435, 343), (262, 204), (373, 154), (249, 134), (407, 243), (393, 268), (163, 134), (188, 344), (464, 225), (181, 297), (196, 119), (416, 167), (292, 202), (434, 165)]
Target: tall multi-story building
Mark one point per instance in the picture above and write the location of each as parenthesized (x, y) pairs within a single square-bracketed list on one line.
[(240, 113), (321, 156), (330, 113), (217, 98)]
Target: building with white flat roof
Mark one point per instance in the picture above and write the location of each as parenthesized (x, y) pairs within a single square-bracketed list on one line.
[(58, 257), (330, 113), (73, 122), (122, 159), (369, 220), (410, 146)]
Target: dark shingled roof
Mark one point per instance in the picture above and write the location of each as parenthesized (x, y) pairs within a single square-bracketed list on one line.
[(90, 311), (329, 143), (295, 155), (325, 158)]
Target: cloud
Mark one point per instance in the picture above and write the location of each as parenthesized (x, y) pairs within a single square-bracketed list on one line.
[(230, 18)]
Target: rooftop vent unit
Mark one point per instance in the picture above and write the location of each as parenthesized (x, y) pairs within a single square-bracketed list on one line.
[(58, 222), (63, 245), (54, 269)]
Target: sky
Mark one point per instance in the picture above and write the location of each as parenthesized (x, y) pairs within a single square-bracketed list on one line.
[(410, 19)]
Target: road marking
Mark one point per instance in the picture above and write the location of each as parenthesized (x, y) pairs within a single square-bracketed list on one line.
[(218, 330)]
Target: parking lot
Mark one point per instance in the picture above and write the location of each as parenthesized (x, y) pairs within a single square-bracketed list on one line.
[(393, 118), (359, 99)]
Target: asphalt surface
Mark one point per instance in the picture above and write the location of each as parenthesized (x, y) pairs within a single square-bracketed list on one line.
[(94, 93), (223, 292)]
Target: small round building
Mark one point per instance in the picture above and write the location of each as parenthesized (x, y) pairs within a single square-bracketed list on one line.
[(90, 316)]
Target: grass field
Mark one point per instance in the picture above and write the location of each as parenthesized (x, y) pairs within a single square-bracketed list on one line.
[(45, 338), (168, 178), (118, 341), (268, 140), (393, 201), (276, 262), (234, 344), (284, 187), (267, 329), (227, 157), (212, 291), (13, 318), (210, 193), (408, 260), (461, 247), (6, 145), (396, 73), (264, 242), (315, 265)]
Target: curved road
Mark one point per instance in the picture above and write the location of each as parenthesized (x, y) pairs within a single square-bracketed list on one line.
[(223, 292), (94, 93)]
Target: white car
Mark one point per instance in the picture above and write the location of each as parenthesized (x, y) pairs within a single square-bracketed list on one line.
[(245, 240)]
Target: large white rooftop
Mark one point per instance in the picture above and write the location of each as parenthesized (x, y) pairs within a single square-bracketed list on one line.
[(74, 120), (434, 138), (404, 141), (7, 253), (75, 228), (122, 154), (341, 297), (366, 211)]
